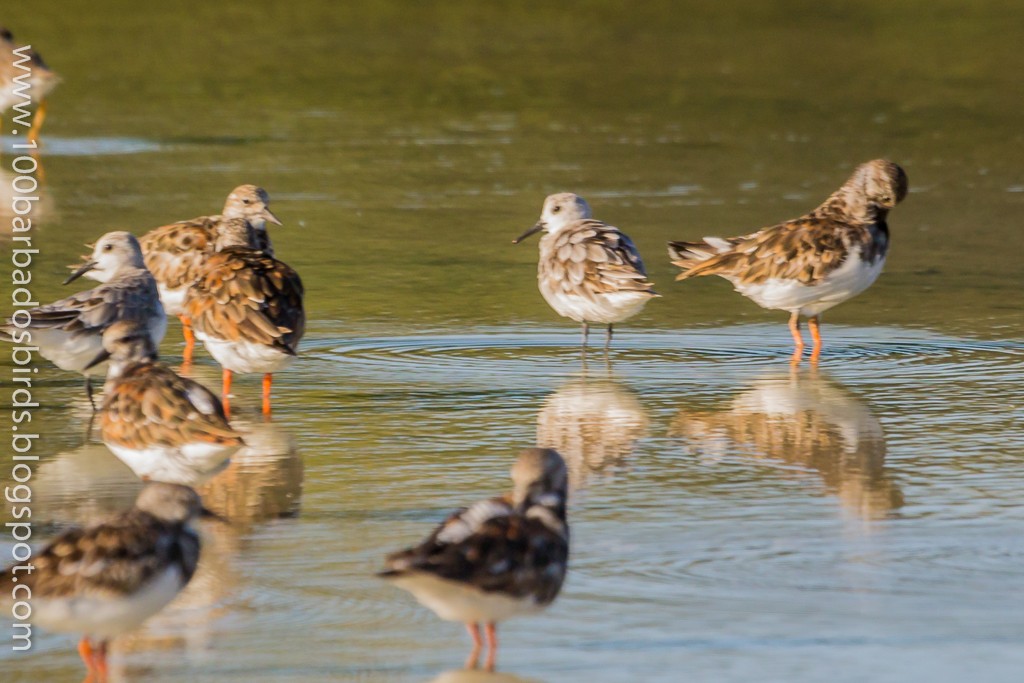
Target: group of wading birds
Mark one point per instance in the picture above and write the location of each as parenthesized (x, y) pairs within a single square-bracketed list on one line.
[(496, 559), (493, 560)]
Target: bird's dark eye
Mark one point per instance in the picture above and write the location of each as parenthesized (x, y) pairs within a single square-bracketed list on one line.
[(247, 201), (108, 247), (556, 209)]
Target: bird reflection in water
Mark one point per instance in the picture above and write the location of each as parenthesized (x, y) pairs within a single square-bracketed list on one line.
[(264, 479), (803, 419), (594, 424)]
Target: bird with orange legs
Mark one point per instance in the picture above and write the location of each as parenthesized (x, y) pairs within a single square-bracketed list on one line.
[(20, 65), (247, 309), (496, 559), (107, 579), (808, 265), (177, 253)]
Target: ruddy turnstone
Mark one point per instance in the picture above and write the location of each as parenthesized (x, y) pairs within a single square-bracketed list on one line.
[(176, 253), (104, 580), (809, 264), (589, 271), (496, 559), (246, 308), (163, 426), (17, 62), (69, 332)]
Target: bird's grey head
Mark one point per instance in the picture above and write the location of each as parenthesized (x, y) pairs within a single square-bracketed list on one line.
[(171, 503), (113, 253), (251, 203), (560, 211)]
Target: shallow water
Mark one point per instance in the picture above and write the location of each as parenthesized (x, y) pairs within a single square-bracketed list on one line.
[(733, 518)]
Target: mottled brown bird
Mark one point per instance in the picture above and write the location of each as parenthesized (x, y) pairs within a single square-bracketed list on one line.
[(108, 579), (246, 307), (177, 253), (163, 426), (809, 264), (25, 79)]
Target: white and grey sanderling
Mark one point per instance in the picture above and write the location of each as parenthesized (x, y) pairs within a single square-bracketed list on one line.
[(69, 332), (588, 271)]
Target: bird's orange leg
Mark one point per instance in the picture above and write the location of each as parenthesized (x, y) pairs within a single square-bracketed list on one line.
[(473, 629), (225, 393), (190, 338), (268, 379), (491, 633), (798, 341), (85, 651), (100, 661), (814, 324), (37, 122)]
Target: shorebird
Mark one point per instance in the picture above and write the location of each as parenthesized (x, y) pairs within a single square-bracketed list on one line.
[(104, 580), (22, 66), (176, 253), (809, 264), (246, 308), (163, 426), (497, 559), (69, 332), (588, 271)]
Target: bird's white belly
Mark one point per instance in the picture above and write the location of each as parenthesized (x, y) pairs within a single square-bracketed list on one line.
[(244, 356), (845, 282), (455, 601), (190, 465), (172, 299), (105, 616), (606, 308)]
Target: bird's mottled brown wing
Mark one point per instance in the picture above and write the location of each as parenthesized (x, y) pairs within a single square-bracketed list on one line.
[(133, 297), (805, 250), (111, 559), (244, 294), (491, 547), (150, 405), (176, 253), (597, 254)]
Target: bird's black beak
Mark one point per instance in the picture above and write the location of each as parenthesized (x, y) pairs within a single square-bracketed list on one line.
[(82, 270), (269, 216), (536, 228), (103, 355)]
